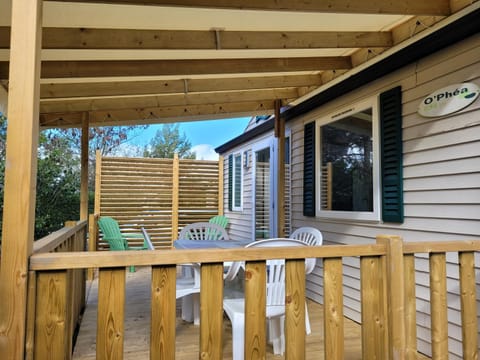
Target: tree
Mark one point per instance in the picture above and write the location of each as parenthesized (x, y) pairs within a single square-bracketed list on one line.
[(167, 142), (58, 172)]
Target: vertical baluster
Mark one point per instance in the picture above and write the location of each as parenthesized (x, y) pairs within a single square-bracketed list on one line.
[(469, 306), (438, 305), (295, 309)]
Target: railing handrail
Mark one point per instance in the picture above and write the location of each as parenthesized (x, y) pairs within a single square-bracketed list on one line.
[(78, 260), (53, 240)]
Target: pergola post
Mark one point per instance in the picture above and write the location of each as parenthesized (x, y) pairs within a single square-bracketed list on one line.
[(280, 200), (20, 173), (84, 169)]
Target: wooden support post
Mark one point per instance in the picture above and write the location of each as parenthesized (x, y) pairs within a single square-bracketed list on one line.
[(20, 174), (395, 287), (469, 306), (175, 195), (438, 306), (255, 310), (98, 181), (211, 314), (92, 241), (280, 200), (220, 185), (295, 309), (163, 312), (333, 308), (111, 313), (84, 170)]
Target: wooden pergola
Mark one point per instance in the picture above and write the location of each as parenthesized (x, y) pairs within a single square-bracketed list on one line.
[(117, 62)]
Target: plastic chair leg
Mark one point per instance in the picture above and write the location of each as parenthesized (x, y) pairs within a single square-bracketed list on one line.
[(308, 329), (238, 336), (276, 335)]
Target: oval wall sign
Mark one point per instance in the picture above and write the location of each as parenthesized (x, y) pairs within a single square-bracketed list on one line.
[(448, 100)]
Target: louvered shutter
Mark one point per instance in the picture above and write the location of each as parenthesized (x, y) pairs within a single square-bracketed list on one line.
[(230, 182), (391, 155), (309, 170)]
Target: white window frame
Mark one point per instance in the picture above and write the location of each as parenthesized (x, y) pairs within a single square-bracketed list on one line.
[(338, 115), (235, 180)]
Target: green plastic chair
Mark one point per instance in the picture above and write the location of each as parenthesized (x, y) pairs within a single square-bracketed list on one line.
[(219, 220), (116, 240)]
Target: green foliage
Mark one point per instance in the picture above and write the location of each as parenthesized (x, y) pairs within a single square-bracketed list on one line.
[(58, 185), (58, 173), (167, 142)]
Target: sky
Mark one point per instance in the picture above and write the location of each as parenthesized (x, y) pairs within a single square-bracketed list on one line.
[(204, 136)]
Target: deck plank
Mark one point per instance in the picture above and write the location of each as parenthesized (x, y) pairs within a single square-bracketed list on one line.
[(137, 327)]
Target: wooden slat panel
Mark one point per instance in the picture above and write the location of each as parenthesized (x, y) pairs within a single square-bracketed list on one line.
[(469, 307), (51, 316), (333, 308), (295, 309), (111, 313), (211, 311), (410, 308), (374, 322), (255, 305), (163, 313), (438, 301)]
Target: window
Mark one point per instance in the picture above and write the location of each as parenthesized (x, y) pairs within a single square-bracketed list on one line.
[(359, 152), (348, 165), (235, 184)]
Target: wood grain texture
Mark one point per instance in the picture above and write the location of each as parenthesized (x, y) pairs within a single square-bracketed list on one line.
[(410, 308), (255, 309), (20, 174), (374, 313), (211, 311), (295, 309), (438, 301), (333, 308), (52, 316), (111, 310), (468, 305), (163, 311)]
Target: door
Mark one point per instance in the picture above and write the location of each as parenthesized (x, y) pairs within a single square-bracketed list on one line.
[(263, 214)]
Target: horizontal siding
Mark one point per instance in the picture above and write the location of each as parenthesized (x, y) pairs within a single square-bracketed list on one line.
[(441, 183)]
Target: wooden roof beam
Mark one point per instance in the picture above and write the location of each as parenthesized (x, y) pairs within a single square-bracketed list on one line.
[(406, 7), (72, 69), (124, 102), (157, 115), (82, 38), (119, 88)]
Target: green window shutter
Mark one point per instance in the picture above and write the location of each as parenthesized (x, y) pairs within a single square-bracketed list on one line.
[(391, 155), (309, 170), (230, 182)]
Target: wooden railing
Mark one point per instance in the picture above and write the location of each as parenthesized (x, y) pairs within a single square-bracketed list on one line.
[(43, 325), (387, 298)]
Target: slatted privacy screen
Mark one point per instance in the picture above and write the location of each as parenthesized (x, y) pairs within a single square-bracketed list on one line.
[(139, 192)]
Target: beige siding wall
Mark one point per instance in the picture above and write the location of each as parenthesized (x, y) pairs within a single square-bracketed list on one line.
[(240, 226), (441, 181)]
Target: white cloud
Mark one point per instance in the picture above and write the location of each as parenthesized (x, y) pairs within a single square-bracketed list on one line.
[(204, 152)]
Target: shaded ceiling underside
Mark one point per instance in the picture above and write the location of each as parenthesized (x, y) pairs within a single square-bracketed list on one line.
[(139, 62)]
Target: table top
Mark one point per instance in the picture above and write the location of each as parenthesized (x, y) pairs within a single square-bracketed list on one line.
[(205, 244)]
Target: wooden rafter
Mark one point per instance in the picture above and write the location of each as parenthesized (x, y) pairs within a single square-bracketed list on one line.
[(68, 69), (411, 7), (83, 38), (164, 114), (119, 88)]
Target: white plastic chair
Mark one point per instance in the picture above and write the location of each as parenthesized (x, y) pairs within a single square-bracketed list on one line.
[(275, 311), (203, 231), (188, 285), (308, 235)]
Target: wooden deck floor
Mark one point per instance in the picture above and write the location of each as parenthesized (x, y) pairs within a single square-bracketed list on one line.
[(137, 327)]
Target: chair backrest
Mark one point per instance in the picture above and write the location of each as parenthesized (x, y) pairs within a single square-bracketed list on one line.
[(308, 235), (219, 220), (203, 231), (111, 233), (276, 269)]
